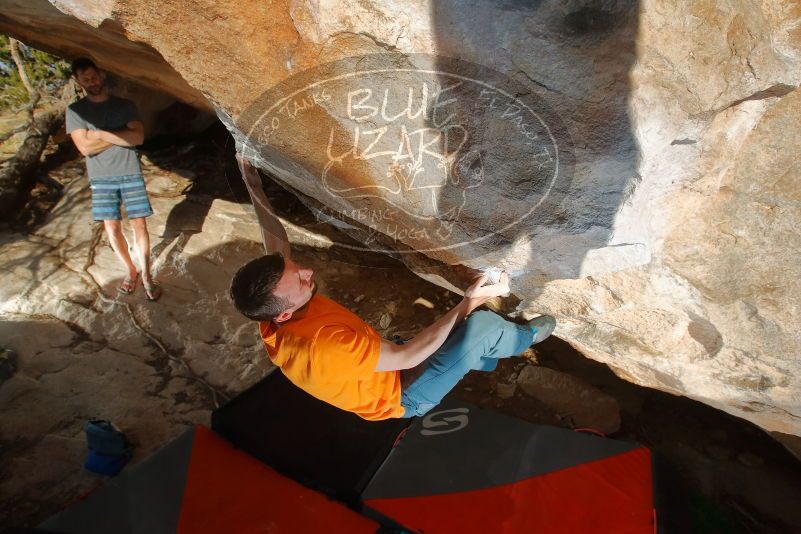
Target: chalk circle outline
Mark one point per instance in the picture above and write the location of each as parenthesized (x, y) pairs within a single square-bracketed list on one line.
[(560, 162)]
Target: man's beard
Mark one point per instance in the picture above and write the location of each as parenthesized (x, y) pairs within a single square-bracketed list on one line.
[(95, 91)]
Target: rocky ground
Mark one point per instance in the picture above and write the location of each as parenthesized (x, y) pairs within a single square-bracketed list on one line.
[(156, 368)]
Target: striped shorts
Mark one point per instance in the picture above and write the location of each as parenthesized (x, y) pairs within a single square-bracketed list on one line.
[(109, 191)]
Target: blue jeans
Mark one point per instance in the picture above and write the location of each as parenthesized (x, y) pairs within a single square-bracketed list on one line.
[(477, 344)]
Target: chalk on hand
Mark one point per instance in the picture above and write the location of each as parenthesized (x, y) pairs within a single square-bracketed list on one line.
[(493, 275)]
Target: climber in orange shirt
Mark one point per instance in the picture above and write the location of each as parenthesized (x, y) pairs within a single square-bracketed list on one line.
[(333, 355)]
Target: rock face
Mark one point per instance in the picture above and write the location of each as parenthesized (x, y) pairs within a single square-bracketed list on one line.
[(633, 165), (92, 33)]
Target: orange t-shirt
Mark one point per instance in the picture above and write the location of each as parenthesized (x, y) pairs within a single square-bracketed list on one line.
[(330, 353)]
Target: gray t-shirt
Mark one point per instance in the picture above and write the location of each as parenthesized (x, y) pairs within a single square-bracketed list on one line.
[(110, 115)]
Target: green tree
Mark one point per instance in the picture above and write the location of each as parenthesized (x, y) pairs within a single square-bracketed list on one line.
[(46, 72)]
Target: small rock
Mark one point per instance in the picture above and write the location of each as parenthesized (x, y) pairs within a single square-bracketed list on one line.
[(506, 391), (385, 321), (424, 302), (358, 299)]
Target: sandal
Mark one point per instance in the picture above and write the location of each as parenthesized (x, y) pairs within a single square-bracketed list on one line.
[(152, 291), (128, 285)]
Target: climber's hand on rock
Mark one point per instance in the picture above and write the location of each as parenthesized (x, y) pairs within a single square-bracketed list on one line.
[(478, 293)]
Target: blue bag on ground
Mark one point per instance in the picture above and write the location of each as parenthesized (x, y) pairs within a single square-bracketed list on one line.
[(109, 451)]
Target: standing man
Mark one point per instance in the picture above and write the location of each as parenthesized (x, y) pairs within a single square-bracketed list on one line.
[(106, 130), (333, 355)]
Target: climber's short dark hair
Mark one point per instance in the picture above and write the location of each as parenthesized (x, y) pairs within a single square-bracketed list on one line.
[(252, 288), (82, 63)]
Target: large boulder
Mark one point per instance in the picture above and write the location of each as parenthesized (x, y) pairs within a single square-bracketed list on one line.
[(91, 32), (637, 177)]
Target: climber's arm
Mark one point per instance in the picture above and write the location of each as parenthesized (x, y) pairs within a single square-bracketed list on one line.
[(273, 233), (392, 357)]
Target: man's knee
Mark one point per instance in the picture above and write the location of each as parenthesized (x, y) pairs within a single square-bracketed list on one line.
[(488, 327), (482, 328), (139, 224), (113, 227)]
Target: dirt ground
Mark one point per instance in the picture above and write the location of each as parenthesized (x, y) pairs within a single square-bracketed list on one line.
[(733, 476)]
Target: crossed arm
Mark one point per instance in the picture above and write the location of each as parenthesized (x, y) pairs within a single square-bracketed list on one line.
[(391, 357), (93, 142)]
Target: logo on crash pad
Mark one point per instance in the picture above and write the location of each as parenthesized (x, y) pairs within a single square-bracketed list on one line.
[(418, 152), (445, 421)]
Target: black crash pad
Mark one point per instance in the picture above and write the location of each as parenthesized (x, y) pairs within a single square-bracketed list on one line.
[(319, 445)]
